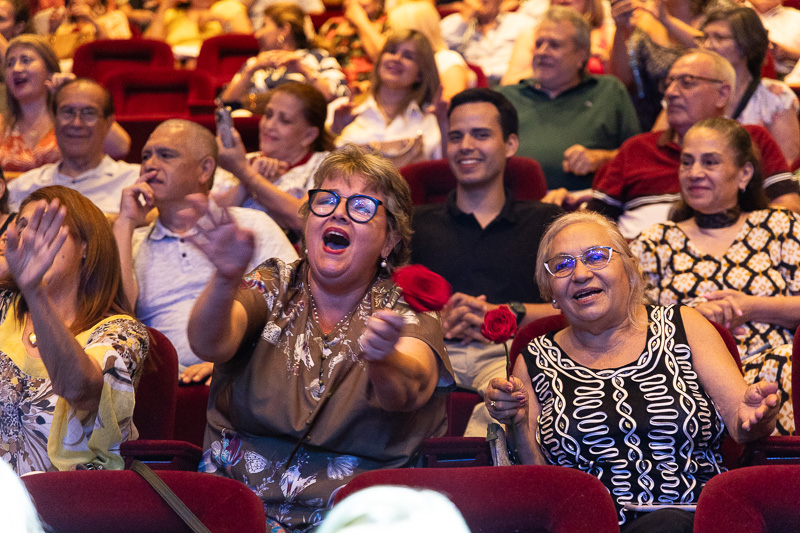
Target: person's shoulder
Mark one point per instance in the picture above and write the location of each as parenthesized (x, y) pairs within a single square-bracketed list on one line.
[(535, 210), (32, 179), (255, 220), (119, 166)]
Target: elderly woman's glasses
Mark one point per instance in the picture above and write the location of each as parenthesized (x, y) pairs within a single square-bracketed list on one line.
[(594, 258), (360, 207)]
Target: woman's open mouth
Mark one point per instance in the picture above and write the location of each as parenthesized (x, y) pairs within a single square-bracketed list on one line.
[(334, 240), (584, 294)]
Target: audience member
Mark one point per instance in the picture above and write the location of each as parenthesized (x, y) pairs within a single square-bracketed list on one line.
[(521, 62), (729, 256), (28, 139), (393, 509), (287, 54), (320, 372), (84, 116), (481, 222), (184, 25), (256, 9), (572, 122), (83, 21), (70, 353), (421, 16), (14, 20), (640, 396), (293, 141), (163, 272), (639, 186), (782, 23), (650, 36), (485, 36), (344, 35), (392, 117), (738, 35)]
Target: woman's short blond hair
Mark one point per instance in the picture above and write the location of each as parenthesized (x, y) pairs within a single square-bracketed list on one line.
[(618, 243)]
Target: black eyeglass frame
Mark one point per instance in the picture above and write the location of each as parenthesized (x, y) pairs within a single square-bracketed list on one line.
[(575, 258), (313, 192)]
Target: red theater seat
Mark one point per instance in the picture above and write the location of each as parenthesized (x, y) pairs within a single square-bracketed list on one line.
[(121, 501), (222, 56), (431, 181), (97, 59), (160, 93), (758, 499), (533, 499)]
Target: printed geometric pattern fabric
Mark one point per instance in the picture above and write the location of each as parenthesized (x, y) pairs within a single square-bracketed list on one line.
[(647, 430)]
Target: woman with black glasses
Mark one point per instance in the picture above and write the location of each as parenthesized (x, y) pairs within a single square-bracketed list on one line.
[(320, 371), (637, 395)]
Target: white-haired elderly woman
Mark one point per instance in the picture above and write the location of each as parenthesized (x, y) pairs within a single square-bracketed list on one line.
[(637, 395)]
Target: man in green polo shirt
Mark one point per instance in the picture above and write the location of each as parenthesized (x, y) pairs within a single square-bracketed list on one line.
[(571, 122)]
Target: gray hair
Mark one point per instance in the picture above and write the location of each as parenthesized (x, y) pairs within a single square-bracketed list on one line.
[(619, 244), (583, 32)]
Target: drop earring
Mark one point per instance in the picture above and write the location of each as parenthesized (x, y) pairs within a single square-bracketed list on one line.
[(383, 262)]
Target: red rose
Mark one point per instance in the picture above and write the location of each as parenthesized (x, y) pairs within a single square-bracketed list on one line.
[(499, 324), (423, 290)]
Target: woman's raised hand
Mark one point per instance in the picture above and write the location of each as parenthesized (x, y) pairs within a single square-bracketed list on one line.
[(760, 404), (383, 332), (233, 159), (229, 247), (34, 242), (507, 400)]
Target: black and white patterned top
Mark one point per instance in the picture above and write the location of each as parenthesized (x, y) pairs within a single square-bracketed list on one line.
[(647, 430)]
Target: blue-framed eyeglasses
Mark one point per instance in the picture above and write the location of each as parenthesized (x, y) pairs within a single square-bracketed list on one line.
[(360, 207), (595, 258)]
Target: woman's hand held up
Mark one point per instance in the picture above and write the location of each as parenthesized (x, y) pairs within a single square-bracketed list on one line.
[(30, 251), (381, 336), (229, 247)]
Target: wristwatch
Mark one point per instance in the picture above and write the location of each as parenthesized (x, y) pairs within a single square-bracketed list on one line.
[(519, 310)]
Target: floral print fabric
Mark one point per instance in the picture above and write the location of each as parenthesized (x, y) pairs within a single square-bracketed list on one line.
[(261, 400)]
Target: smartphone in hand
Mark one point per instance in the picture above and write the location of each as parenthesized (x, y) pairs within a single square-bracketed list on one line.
[(222, 117)]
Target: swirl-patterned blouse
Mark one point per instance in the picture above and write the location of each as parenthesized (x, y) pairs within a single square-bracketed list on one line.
[(647, 430)]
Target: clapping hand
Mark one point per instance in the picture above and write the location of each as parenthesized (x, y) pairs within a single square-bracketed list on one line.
[(383, 332), (761, 402), (463, 316), (229, 247), (33, 243), (727, 307)]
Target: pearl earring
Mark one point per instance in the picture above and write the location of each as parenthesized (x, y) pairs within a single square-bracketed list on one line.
[(383, 262)]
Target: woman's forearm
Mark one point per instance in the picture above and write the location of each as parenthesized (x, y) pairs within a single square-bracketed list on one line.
[(217, 322), (74, 375), (401, 381), (282, 206)]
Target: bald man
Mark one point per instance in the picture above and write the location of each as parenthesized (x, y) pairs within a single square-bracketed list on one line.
[(163, 273), (638, 187)]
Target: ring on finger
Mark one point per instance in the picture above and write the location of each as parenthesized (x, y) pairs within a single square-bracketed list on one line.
[(492, 403)]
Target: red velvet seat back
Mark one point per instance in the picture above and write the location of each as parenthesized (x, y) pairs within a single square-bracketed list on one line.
[(533, 499), (431, 181), (752, 499), (222, 56), (160, 93), (154, 413), (98, 58), (122, 502)]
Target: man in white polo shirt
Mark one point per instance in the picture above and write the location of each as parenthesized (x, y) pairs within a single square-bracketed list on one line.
[(84, 115)]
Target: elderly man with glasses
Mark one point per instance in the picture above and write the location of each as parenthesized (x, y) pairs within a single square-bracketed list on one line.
[(637, 188), (84, 115)]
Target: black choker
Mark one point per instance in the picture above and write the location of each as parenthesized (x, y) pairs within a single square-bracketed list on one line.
[(722, 219)]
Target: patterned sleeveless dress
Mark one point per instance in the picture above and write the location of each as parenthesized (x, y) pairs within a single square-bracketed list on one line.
[(647, 430)]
